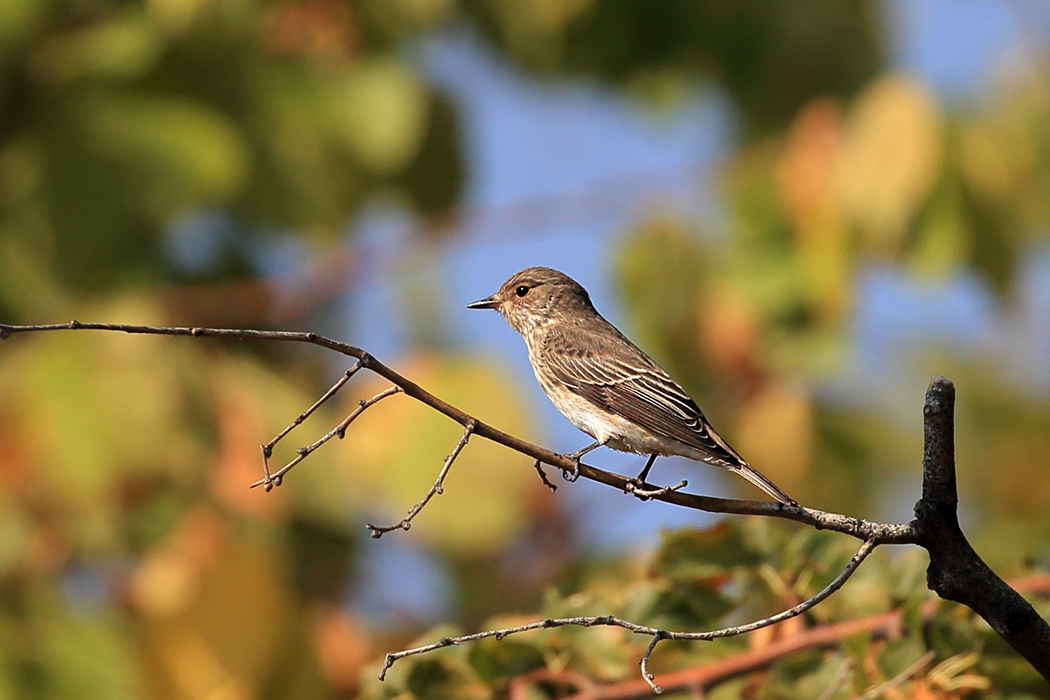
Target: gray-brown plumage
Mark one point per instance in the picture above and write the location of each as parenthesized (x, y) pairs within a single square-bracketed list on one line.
[(602, 382)]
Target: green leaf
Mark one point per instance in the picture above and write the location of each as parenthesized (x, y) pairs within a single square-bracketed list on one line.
[(381, 114), (700, 555)]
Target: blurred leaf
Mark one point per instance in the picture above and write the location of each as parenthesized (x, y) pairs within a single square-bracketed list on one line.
[(188, 151), (806, 178), (433, 679), (33, 292), (15, 530), (807, 675), (891, 159), (658, 267), (381, 115), (899, 654), (90, 657), (703, 555), (944, 240), (775, 431), (436, 178), (123, 46), (500, 659), (18, 20), (237, 618), (91, 417), (770, 57), (688, 605)]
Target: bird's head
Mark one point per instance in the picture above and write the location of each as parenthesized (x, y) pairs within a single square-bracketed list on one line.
[(534, 296)]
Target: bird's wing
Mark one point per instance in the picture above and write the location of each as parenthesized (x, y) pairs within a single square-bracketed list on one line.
[(625, 381)]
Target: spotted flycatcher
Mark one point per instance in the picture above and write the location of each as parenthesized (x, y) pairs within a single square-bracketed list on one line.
[(603, 383)]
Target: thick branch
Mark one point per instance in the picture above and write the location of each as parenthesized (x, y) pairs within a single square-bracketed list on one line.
[(904, 533), (956, 572)]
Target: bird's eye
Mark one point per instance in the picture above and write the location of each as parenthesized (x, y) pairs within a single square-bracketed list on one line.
[(521, 291)]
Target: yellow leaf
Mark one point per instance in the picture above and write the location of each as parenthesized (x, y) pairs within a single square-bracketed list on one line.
[(891, 158), (775, 433)]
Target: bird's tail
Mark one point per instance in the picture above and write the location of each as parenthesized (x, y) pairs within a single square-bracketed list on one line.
[(761, 481)]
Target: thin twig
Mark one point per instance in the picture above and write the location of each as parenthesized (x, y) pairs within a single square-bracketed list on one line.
[(904, 675), (437, 489), (645, 494), (657, 634), (643, 663), (709, 674), (543, 476), (885, 533), (275, 479), (267, 449)]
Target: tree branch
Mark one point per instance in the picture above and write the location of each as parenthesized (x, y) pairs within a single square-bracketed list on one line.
[(956, 572), (658, 635), (707, 675), (267, 449), (275, 479), (884, 533)]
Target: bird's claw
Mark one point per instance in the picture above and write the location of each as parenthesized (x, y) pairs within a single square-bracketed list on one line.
[(575, 473)]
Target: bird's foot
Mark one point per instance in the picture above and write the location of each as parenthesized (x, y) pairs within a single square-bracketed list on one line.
[(575, 457), (575, 473), (637, 489)]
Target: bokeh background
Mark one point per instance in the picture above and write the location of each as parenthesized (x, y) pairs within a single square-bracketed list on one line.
[(802, 209)]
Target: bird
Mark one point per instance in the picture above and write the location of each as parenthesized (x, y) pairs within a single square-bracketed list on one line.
[(604, 384)]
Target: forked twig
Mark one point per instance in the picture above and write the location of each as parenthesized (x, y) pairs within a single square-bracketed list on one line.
[(658, 635), (643, 663), (538, 466), (267, 449), (406, 523), (645, 494), (275, 479)]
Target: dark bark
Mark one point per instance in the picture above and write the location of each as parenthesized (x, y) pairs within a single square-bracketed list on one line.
[(956, 572)]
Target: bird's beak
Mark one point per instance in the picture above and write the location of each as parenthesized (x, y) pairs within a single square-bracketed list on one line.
[(487, 303)]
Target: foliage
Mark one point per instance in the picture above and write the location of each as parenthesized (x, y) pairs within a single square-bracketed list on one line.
[(710, 578), (772, 57), (120, 117)]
